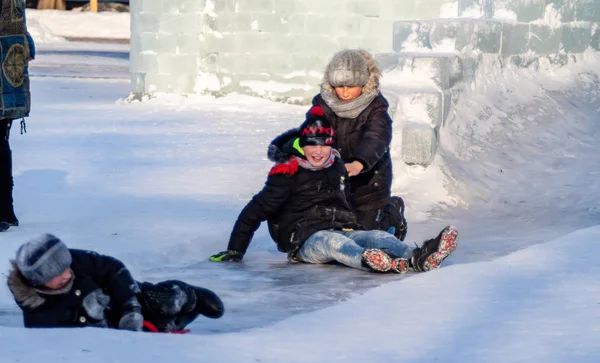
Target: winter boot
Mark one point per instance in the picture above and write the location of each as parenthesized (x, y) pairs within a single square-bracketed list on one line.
[(401, 226), (398, 203), (376, 260), (431, 254), (11, 219), (399, 265), (208, 303), (167, 298)]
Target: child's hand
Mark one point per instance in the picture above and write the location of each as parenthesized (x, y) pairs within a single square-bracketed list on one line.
[(132, 320), (228, 256), (354, 168)]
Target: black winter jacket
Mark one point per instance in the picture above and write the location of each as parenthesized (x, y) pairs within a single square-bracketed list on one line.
[(297, 203), (366, 139), (91, 272)]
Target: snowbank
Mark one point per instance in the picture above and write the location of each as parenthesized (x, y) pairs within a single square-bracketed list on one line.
[(41, 33), (58, 23)]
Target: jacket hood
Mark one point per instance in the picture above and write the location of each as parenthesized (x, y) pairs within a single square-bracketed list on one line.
[(282, 147), (25, 294), (374, 75)]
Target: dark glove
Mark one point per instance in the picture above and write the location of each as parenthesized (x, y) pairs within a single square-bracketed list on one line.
[(229, 256)]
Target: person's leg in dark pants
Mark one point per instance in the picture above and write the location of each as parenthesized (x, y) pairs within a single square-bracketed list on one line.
[(370, 219), (7, 213), (383, 219)]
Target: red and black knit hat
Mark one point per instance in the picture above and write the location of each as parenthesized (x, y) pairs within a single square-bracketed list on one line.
[(316, 130)]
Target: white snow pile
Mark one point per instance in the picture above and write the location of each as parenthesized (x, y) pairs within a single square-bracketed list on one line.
[(57, 23), (41, 33)]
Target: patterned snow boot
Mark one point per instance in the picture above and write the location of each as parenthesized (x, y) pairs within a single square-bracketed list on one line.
[(376, 260), (399, 265), (431, 254)]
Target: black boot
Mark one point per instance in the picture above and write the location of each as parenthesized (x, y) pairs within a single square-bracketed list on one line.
[(431, 254), (168, 305), (174, 297), (208, 303), (398, 203), (394, 217)]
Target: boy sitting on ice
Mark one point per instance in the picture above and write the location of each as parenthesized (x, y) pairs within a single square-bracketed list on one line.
[(307, 203)]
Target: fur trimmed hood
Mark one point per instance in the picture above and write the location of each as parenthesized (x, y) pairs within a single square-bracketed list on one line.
[(25, 294), (374, 75)]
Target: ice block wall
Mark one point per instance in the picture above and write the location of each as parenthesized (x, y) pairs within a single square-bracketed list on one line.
[(270, 48), (427, 48)]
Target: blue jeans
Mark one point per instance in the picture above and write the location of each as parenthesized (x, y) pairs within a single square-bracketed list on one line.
[(347, 247)]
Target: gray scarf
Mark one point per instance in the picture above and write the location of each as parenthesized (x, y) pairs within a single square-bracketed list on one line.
[(350, 109)]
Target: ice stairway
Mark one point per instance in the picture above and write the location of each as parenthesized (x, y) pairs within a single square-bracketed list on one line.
[(418, 80)]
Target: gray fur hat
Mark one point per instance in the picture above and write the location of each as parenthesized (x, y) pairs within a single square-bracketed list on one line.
[(348, 68), (42, 259)]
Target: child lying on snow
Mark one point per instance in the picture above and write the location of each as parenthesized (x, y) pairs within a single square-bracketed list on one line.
[(306, 202), (60, 287)]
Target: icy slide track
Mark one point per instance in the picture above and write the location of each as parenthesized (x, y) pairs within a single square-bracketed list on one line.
[(523, 147), (519, 157)]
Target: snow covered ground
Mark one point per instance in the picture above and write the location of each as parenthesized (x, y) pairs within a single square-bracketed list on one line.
[(160, 183)]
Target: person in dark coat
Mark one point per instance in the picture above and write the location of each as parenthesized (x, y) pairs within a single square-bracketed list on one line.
[(60, 287), (306, 202), (352, 103), (16, 50)]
